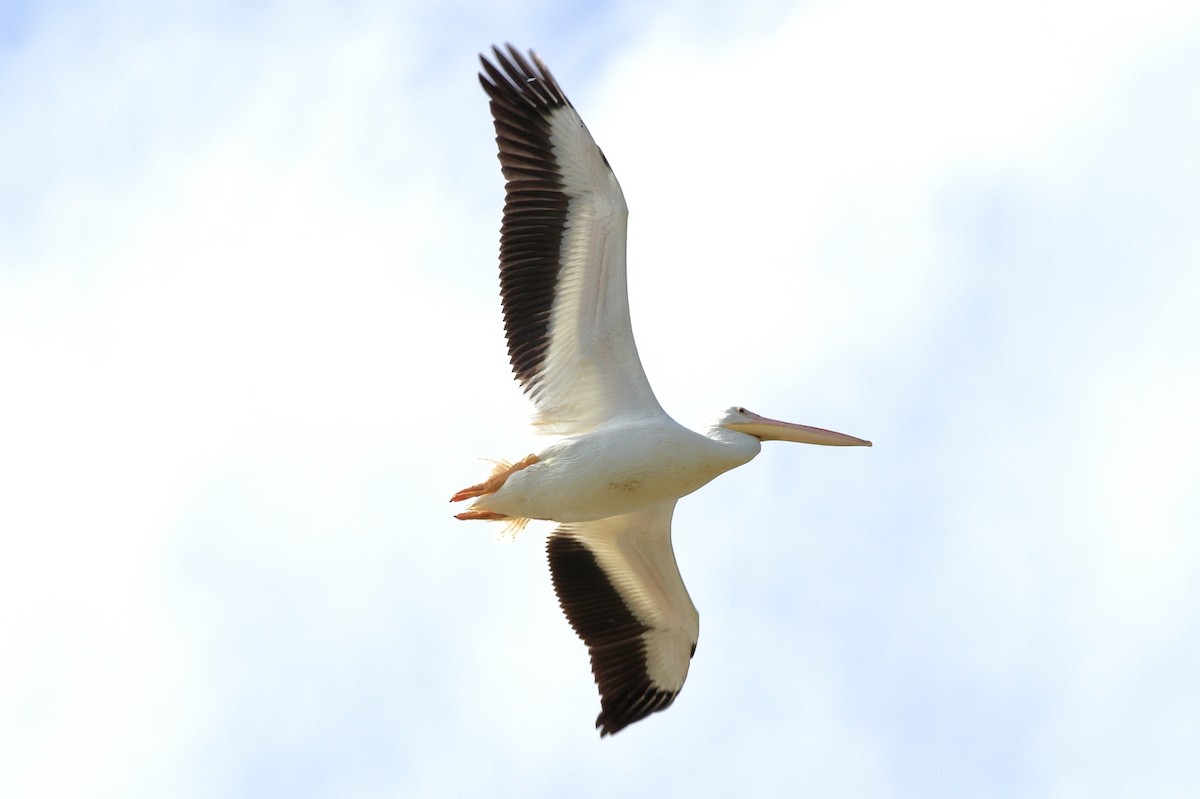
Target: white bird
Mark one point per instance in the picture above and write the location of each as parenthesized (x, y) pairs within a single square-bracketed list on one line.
[(612, 478)]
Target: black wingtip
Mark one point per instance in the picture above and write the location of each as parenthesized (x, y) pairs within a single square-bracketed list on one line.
[(529, 77), (523, 101)]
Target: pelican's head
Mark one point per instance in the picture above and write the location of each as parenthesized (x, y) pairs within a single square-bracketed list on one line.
[(764, 429)]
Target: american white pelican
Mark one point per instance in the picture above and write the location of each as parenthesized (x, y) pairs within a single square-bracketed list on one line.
[(612, 478)]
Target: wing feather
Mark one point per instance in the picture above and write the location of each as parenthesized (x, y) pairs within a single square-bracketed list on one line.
[(562, 255), (620, 588)]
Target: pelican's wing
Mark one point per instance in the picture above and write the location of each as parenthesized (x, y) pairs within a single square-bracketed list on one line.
[(562, 255), (618, 584)]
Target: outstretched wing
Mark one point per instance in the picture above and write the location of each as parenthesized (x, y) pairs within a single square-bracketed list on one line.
[(620, 588), (562, 255)]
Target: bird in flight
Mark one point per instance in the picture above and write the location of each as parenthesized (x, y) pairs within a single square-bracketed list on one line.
[(619, 463)]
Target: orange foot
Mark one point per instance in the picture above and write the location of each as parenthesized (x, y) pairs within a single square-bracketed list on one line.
[(493, 483), (486, 515)]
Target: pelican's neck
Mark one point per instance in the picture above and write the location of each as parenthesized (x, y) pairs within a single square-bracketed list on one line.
[(737, 448)]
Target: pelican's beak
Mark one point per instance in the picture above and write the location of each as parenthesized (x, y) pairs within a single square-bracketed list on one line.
[(774, 430)]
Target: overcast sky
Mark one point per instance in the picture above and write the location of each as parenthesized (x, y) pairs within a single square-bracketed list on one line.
[(250, 344)]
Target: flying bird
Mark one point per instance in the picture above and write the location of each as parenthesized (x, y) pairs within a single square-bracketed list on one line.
[(619, 463)]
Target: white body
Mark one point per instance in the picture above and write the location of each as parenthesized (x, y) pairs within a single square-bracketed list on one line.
[(618, 468)]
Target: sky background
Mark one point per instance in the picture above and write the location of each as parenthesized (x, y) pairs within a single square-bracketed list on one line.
[(250, 343)]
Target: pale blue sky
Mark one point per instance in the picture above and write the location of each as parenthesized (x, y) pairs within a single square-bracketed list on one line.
[(250, 340)]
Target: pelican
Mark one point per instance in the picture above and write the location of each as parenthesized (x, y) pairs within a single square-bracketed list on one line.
[(619, 462)]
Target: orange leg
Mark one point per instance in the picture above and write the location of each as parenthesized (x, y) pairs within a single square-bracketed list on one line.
[(486, 515), (491, 485)]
